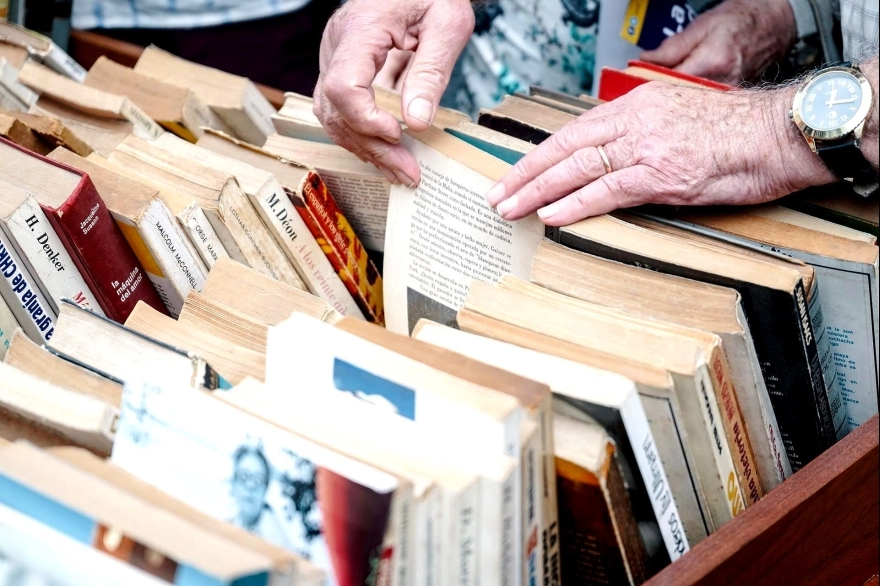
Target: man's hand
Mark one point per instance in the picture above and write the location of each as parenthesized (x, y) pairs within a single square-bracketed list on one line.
[(354, 48), (666, 144), (733, 42)]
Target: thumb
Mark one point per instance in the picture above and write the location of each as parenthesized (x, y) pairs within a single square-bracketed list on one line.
[(432, 63), (673, 50)]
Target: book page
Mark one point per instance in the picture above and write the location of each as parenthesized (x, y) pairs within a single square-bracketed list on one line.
[(443, 234), (364, 201)]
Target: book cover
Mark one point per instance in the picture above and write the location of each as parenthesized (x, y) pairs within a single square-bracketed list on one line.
[(342, 247), (8, 325), (233, 466), (614, 83), (98, 248), (23, 298), (647, 23)]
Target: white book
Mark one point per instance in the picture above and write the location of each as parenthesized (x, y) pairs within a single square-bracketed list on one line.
[(286, 489), (487, 421), (582, 386), (41, 251), (8, 325), (30, 307), (281, 218), (9, 80), (34, 554)]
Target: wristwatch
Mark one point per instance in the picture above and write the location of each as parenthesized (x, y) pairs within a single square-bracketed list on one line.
[(830, 110)]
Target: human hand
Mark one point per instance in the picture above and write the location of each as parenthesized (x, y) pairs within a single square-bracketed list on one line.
[(733, 42), (392, 74), (354, 48), (666, 144)]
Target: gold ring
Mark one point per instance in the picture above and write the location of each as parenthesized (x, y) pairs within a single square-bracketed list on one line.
[(605, 160)]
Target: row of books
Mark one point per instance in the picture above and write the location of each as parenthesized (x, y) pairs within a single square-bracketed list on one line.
[(608, 395)]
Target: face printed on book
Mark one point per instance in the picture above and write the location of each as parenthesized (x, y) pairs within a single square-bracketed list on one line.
[(250, 481)]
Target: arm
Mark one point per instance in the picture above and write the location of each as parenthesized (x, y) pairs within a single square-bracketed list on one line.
[(671, 145), (355, 46)]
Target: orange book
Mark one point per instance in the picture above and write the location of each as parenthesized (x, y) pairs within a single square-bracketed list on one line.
[(341, 245)]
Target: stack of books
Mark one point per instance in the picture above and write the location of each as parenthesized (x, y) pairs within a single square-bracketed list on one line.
[(197, 387)]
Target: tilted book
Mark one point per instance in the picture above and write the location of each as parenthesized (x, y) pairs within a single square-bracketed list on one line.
[(42, 49), (85, 227), (8, 325)]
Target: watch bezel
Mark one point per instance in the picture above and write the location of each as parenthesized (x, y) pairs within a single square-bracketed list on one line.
[(850, 125)]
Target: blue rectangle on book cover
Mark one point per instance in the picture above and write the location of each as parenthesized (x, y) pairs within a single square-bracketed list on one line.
[(374, 389)]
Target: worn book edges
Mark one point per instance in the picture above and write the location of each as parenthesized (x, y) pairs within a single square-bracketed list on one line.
[(260, 297), (118, 352), (50, 132), (727, 477), (290, 568), (614, 83), (44, 256), (599, 535), (449, 483), (231, 361), (228, 209), (426, 395), (14, 53), (42, 49), (235, 100), (36, 553), (524, 119), (359, 188), (85, 227), (775, 303), (654, 295), (176, 109), (82, 419), (150, 229), (38, 361), (846, 273), (444, 234), (18, 132), (501, 146), (286, 489), (88, 100), (282, 219), (390, 101), (539, 522), (8, 327), (14, 95), (327, 221), (600, 395), (114, 522), (224, 322), (837, 203), (296, 120)]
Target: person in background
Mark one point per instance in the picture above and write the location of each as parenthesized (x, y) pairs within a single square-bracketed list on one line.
[(660, 143), (273, 42)]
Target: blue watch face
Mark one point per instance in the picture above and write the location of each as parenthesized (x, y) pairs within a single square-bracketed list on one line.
[(831, 100)]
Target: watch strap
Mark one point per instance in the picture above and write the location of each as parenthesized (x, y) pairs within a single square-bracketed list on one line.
[(846, 161)]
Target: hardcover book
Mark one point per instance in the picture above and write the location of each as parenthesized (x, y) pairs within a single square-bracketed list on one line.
[(85, 227)]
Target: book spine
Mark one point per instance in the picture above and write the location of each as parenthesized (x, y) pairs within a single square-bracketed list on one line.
[(9, 79), (837, 410), (63, 63), (533, 514), (296, 240), (466, 517), (170, 295), (654, 475), (395, 564), (8, 325), (344, 249), (142, 125), (47, 259), (9, 101), (30, 308), (547, 480), (104, 258), (255, 244), (717, 437), (428, 539), (734, 425), (201, 235)]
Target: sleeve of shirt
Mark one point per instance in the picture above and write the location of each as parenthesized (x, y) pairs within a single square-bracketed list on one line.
[(804, 19)]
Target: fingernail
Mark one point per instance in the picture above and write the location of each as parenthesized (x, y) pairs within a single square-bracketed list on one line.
[(389, 175), (507, 206), (549, 211), (421, 109), (496, 194), (405, 179)]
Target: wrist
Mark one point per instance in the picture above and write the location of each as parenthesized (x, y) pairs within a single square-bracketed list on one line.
[(869, 144)]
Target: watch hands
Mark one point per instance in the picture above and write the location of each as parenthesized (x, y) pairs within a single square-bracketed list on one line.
[(831, 103)]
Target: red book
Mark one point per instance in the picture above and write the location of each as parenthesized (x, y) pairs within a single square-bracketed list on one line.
[(613, 83), (85, 227)]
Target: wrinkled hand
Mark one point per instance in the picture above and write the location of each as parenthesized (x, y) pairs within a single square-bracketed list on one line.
[(666, 144), (733, 42), (354, 48), (392, 74)]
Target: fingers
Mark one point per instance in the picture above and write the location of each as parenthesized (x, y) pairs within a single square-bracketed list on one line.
[(606, 194), (718, 63), (577, 170), (445, 31), (590, 130), (674, 49)]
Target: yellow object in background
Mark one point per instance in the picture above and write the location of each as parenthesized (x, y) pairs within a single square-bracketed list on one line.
[(4, 9), (633, 20)]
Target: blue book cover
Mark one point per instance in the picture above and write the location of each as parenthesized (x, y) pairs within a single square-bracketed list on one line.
[(374, 389), (650, 22)]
